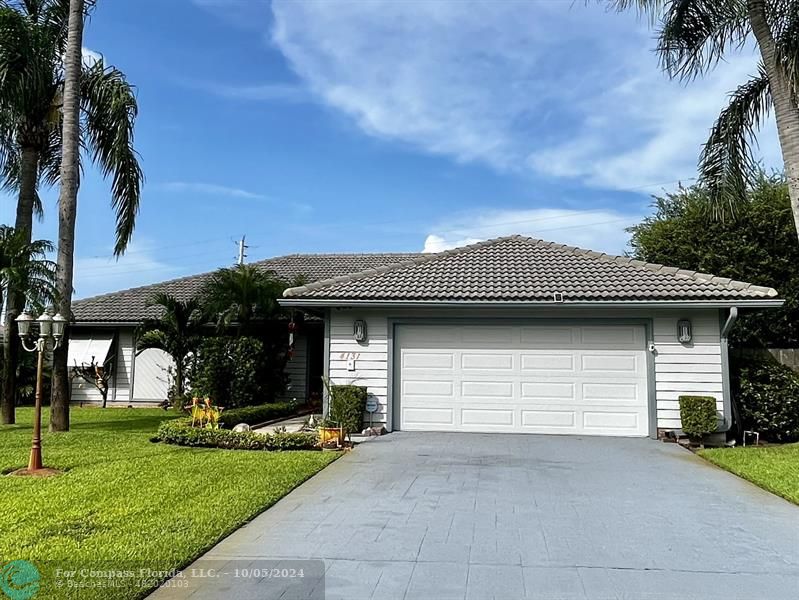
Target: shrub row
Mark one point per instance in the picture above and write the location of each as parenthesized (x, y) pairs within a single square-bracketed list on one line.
[(180, 432), (253, 415)]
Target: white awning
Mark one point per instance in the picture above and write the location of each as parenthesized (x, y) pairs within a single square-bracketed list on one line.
[(83, 347)]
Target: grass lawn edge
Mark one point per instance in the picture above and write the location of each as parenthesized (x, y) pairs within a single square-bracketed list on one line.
[(757, 470)]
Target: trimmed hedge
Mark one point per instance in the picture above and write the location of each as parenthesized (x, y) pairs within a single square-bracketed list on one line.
[(347, 405), (698, 415), (768, 394), (253, 415), (180, 433)]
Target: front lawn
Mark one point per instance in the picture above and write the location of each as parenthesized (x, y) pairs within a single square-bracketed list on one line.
[(124, 501), (774, 468)]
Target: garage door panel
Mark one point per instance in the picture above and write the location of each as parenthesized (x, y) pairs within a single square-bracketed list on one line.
[(416, 416), (427, 360), (490, 389), (605, 420), (549, 418), (613, 392), (548, 391), (489, 362), (618, 336), (547, 337), (589, 379), (546, 363), (428, 388), (487, 417), (606, 362)]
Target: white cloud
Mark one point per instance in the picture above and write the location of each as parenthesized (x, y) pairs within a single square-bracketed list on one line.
[(138, 266), (216, 190), (601, 229), (90, 57), (558, 88), (211, 189), (267, 92)]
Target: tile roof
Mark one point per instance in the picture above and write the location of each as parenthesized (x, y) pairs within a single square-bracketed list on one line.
[(131, 305), (517, 268)]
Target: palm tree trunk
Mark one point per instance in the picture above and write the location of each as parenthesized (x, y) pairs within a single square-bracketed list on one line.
[(15, 300), (785, 109), (67, 210)]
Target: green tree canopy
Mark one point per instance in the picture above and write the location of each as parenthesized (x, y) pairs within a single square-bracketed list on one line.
[(757, 245)]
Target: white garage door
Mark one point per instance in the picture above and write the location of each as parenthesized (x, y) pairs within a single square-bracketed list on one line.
[(581, 379)]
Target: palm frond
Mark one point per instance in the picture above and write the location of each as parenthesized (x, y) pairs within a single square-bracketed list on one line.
[(110, 109), (726, 165), (23, 266), (651, 9), (695, 34)]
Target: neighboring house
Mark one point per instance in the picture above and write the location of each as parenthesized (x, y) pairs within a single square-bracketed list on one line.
[(105, 326), (520, 335)]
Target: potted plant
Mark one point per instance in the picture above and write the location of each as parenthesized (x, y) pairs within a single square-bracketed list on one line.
[(329, 430)]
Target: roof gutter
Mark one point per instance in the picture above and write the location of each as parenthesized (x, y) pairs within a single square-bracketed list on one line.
[(323, 302), (726, 386)]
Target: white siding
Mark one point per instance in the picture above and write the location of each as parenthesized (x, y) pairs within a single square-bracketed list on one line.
[(152, 377), (692, 369), (297, 371), (119, 392), (371, 357), (123, 374), (679, 369)]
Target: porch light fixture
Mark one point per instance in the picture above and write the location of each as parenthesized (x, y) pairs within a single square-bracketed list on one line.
[(359, 330), (684, 334)]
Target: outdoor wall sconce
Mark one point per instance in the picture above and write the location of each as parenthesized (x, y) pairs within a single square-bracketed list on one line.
[(684, 334), (359, 330)]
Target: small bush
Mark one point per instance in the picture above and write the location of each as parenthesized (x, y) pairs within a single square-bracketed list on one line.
[(180, 433), (254, 415), (347, 405), (698, 415), (768, 394)]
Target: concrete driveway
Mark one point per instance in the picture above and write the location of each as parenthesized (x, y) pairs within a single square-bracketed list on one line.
[(438, 516)]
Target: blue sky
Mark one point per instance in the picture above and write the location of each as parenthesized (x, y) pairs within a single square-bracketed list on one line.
[(385, 126)]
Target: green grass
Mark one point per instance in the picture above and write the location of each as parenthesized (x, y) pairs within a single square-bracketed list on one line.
[(125, 500), (774, 468)]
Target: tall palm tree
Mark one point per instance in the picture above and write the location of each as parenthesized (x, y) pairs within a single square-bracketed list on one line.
[(23, 266), (177, 332), (693, 36), (240, 295), (33, 42), (67, 209)]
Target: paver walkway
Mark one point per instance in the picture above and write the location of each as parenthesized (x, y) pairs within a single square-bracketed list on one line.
[(471, 516)]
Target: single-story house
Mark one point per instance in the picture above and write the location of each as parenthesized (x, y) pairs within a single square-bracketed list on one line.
[(521, 335), (104, 328)]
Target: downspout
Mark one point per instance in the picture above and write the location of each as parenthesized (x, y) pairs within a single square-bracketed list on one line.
[(726, 386)]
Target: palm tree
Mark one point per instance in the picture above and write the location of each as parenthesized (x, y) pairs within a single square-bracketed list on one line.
[(693, 36), (23, 266), (67, 210), (33, 42), (240, 295), (177, 332)]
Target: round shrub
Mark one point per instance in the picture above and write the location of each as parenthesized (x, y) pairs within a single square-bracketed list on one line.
[(768, 394), (698, 415)]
